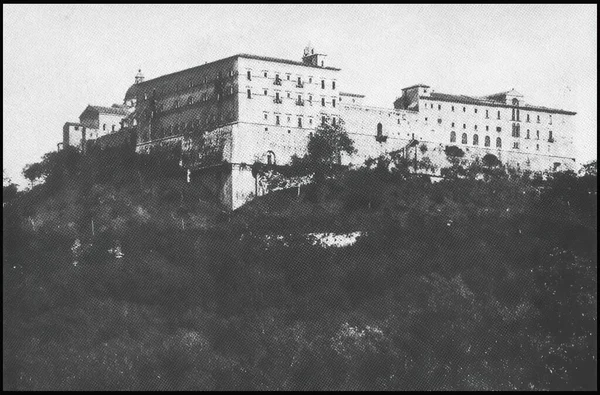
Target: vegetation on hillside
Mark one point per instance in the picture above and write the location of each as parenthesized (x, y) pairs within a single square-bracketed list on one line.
[(470, 283)]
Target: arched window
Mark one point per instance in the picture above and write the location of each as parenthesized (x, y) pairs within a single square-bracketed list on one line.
[(498, 142), (487, 141), (270, 158), (452, 137), (475, 139), (464, 138), (379, 129)]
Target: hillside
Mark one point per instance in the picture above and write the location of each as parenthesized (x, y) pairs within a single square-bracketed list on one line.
[(462, 284)]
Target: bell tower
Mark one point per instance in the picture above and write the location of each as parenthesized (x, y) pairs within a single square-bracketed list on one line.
[(139, 77), (311, 58)]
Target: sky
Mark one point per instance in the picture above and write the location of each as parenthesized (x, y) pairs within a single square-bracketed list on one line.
[(59, 58)]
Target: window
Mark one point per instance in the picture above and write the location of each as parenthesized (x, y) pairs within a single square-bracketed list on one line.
[(299, 122), (527, 117), (270, 158), (190, 100), (464, 139), (440, 121), (475, 127), (249, 75), (288, 77), (113, 128), (516, 130), (498, 129), (537, 147), (464, 125), (516, 145), (475, 139), (486, 141), (310, 80), (475, 111), (550, 139), (76, 127), (310, 121), (333, 85), (323, 101), (104, 126), (464, 109), (249, 92), (265, 74), (266, 115), (498, 114), (452, 137), (550, 119), (538, 119), (452, 124), (289, 95), (527, 136), (439, 106), (498, 142), (379, 129), (487, 113), (323, 120), (265, 91), (537, 134), (452, 108), (310, 99), (333, 102), (487, 128), (333, 121), (322, 84), (277, 120), (277, 99)]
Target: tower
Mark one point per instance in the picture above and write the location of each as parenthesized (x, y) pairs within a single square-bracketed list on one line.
[(139, 77), (312, 58)]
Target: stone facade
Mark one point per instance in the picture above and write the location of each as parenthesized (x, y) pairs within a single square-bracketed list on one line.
[(94, 122), (233, 112)]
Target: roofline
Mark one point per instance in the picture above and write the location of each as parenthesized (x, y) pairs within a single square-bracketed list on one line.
[(525, 108), (111, 110), (416, 86), (241, 55), (351, 94)]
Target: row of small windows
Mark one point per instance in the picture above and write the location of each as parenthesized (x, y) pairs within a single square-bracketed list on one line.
[(515, 113), (299, 100), (300, 122), (299, 82), (486, 141), (516, 130)]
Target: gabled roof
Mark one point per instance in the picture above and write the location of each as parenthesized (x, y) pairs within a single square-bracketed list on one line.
[(132, 91), (105, 110), (487, 101), (417, 86)]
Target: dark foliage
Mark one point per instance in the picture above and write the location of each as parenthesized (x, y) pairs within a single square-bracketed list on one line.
[(463, 284)]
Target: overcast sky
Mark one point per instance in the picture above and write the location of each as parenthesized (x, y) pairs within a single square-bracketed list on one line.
[(60, 58)]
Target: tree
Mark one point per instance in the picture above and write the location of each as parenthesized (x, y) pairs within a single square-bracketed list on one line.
[(33, 171), (590, 169), (325, 147), (9, 189), (490, 160)]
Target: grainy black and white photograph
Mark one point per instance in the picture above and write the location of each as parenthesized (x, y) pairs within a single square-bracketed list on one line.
[(310, 197)]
